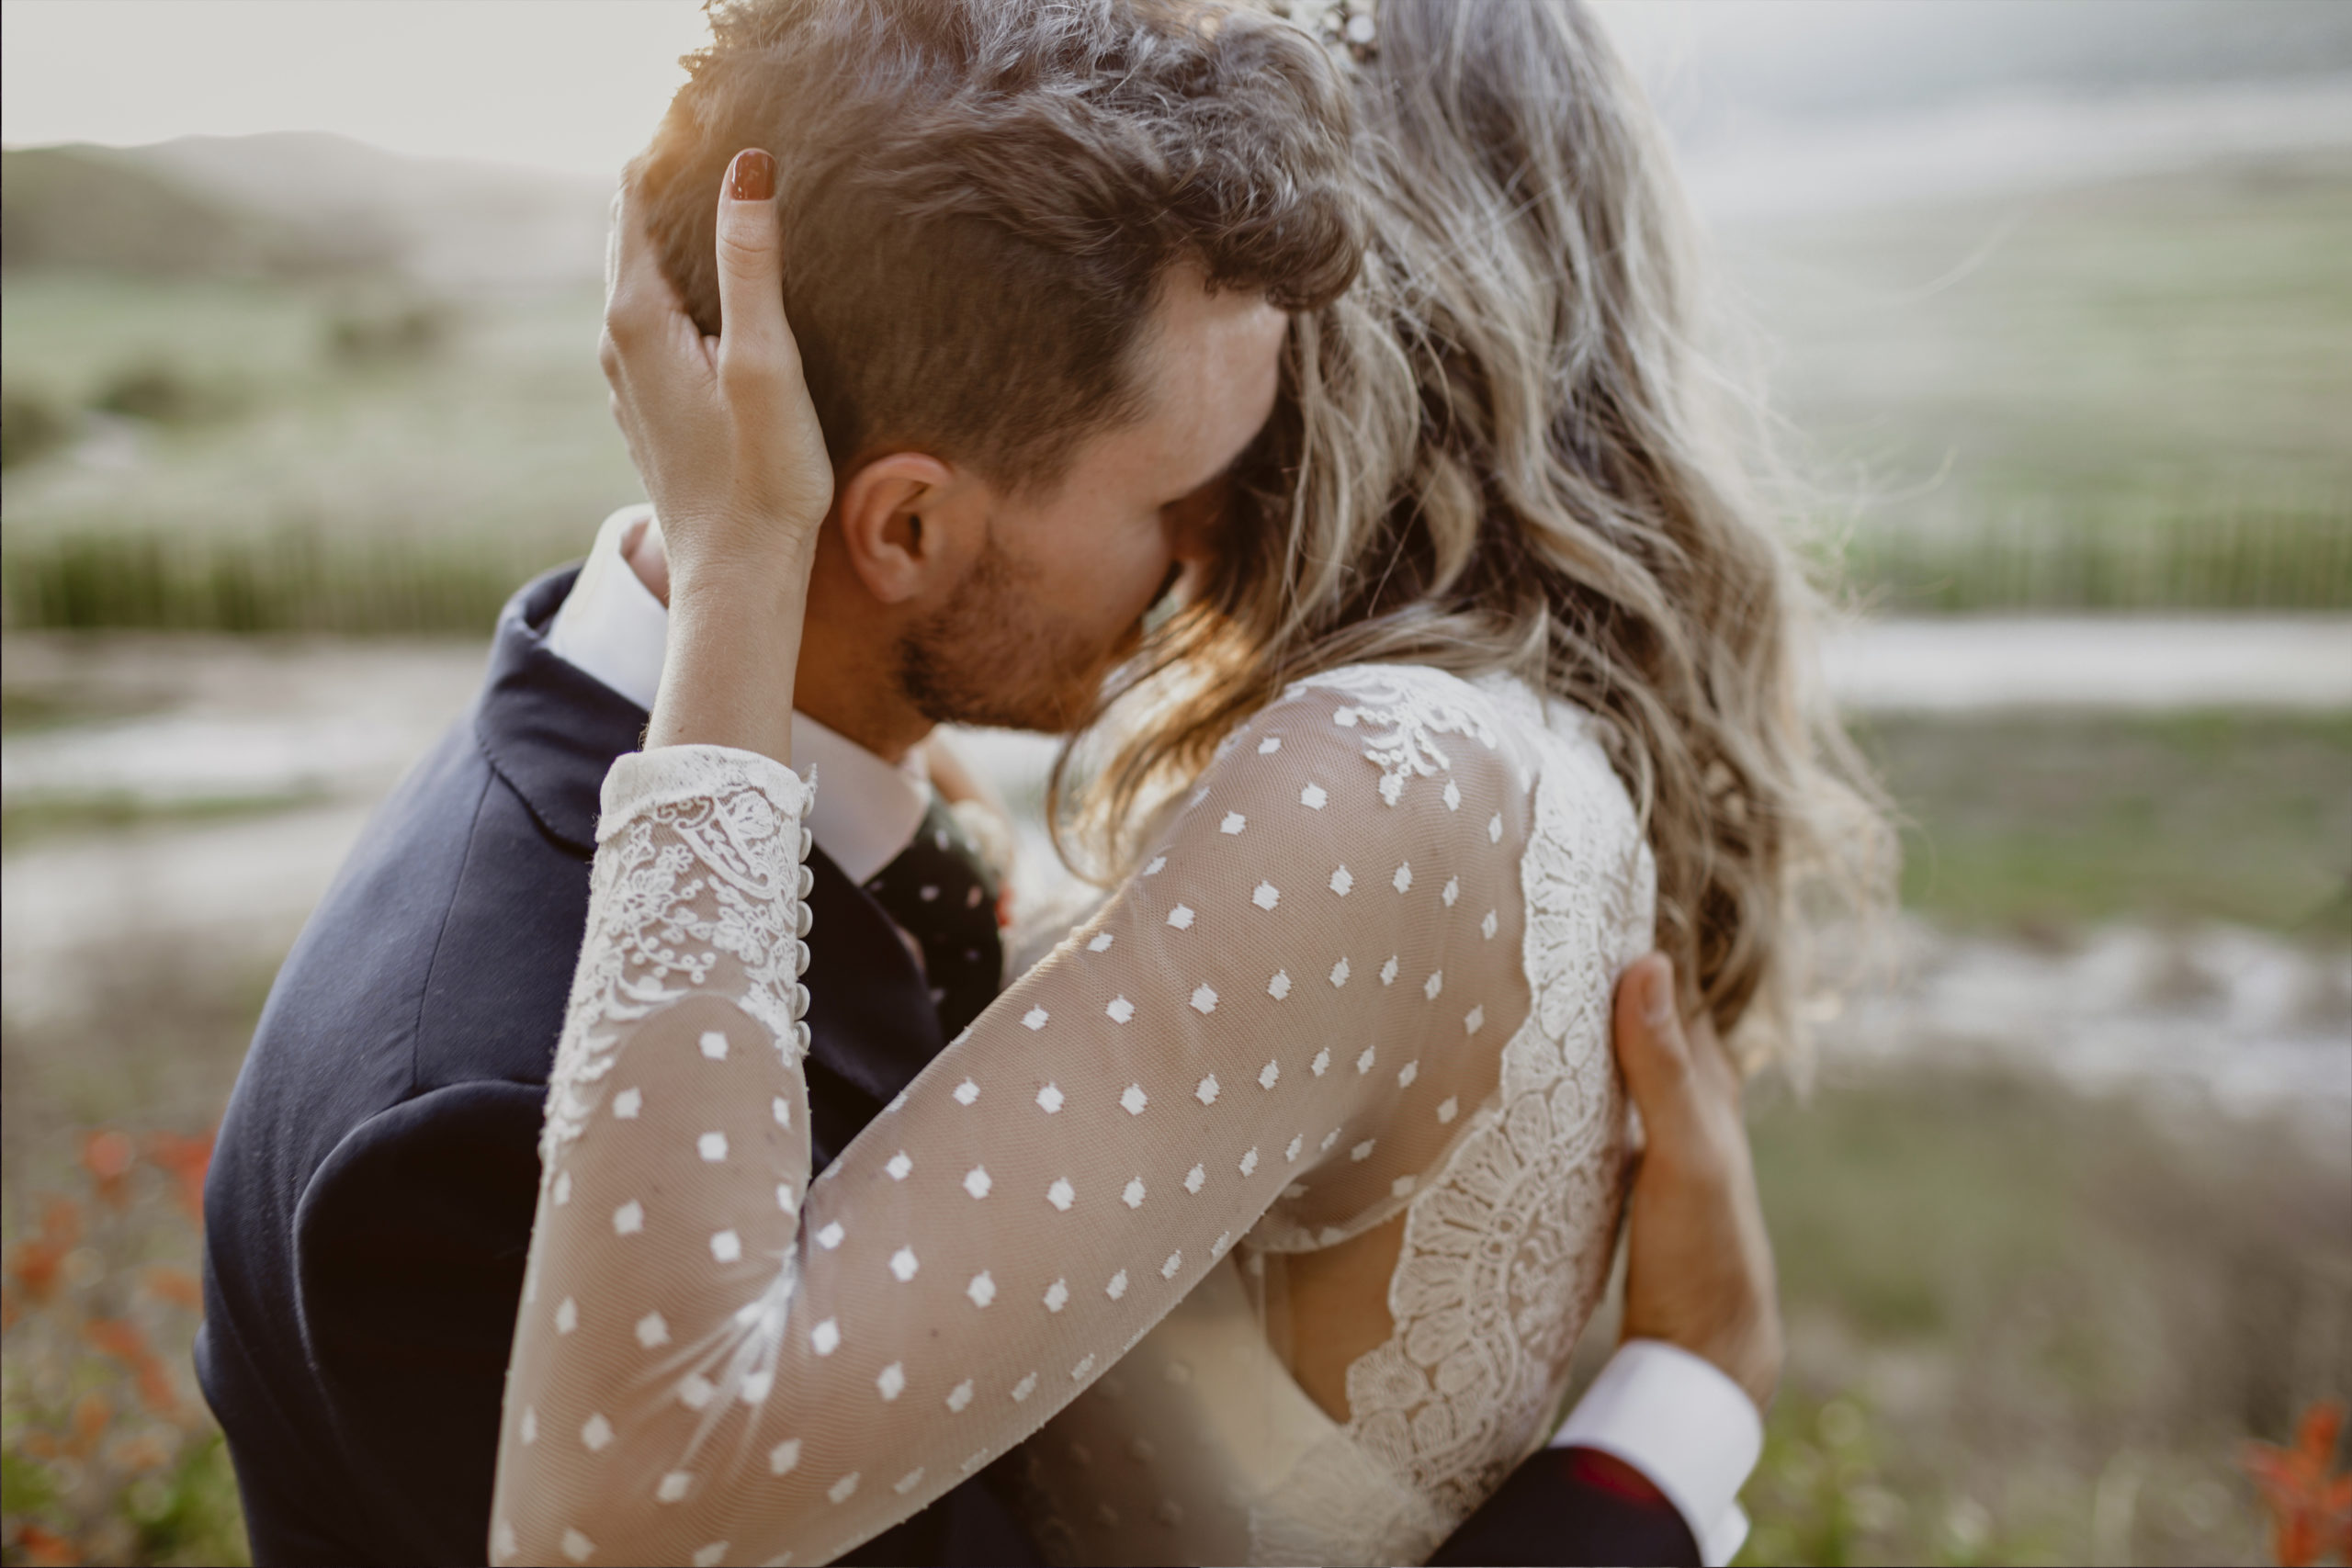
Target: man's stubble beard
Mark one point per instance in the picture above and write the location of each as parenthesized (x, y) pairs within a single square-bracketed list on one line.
[(990, 656)]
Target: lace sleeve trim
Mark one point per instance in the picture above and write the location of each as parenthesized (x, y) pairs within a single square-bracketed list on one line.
[(1490, 1287), (1402, 710), (668, 775), (698, 884)]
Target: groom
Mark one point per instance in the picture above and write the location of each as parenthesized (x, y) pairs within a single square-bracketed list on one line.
[(1045, 243)]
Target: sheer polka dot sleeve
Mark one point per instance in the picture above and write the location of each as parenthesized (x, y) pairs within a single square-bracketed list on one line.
[(1274, 1027)]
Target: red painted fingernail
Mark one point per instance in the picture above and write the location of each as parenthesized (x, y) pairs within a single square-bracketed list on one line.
[(751, 176)]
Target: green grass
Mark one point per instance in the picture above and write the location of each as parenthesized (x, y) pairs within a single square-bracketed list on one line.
[(2034, 557), (50, 817), (2127, 397), (2119, 396), (24, 709), (295, 578), (70, 333), (2006, 1300), (2032, 821), (376, 493)]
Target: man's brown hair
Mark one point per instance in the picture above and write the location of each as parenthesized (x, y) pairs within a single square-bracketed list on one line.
[(979, 198)]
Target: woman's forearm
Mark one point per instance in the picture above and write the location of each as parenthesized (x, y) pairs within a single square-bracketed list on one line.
[(734, 647), (728, 445)]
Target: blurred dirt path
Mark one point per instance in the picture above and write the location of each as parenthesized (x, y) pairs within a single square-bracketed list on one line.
[(189, 798), (2141, 664), (302, 737), (81, 910)]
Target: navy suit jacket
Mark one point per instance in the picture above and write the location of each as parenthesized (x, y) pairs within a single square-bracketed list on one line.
[(369, 1201)]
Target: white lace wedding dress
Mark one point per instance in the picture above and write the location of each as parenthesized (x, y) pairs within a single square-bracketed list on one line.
[(1366, 971)]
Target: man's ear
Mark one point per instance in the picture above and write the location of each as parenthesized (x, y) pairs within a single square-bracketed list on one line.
[(897, 515)]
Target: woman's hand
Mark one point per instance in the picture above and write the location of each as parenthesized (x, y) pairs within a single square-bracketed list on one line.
[(727, 441)]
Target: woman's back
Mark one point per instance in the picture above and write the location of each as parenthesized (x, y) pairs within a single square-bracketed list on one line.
[(1502, 1192), (1364, 972)]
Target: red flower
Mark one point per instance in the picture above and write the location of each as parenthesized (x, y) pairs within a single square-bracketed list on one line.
[(2311, 1510), (37, 1262), (107, 1155), (186, 1159), (46, 1550), (127, 1343), (177, 1286), (143, 1451), (92, 1416)]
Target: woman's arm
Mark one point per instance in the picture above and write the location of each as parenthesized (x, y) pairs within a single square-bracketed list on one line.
[(728, 443), (716, 1361), (714, 1350)]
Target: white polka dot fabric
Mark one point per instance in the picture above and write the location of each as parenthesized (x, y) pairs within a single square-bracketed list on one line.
[(1294, 1023)]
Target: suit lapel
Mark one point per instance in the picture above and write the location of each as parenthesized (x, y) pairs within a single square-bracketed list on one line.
[(551, 731), (548, 727)]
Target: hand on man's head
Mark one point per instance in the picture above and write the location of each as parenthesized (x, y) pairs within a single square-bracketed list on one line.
[(727, 440), (722, 429), (1699, 1271)]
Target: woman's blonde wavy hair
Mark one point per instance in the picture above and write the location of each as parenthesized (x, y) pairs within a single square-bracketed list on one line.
[(1506, 448)]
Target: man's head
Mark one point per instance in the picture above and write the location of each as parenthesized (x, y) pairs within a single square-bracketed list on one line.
[(1036, 256)]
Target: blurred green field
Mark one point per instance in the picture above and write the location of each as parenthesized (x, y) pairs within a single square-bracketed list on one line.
[(316, 472), (2126, 397), (2152, 342), (2040, 1327), (2027, 1326), (2037, 824)]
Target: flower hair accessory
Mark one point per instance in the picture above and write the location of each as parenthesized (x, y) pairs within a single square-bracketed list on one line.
[(1345, 26)]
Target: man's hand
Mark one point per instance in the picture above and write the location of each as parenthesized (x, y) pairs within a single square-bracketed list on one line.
[(1700, 1273)]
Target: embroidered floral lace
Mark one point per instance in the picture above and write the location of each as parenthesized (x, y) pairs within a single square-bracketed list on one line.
[(1366, 970)]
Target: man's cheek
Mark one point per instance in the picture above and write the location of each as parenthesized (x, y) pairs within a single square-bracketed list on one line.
[(1147, 582), (1105, 600)]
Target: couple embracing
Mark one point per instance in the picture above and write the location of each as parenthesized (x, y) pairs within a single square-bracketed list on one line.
[(646, 1155)]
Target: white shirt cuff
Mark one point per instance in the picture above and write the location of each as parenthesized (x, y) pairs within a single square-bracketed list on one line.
[(1691, 1432)]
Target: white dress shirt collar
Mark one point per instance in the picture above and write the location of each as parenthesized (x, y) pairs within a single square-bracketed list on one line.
[(612, 626)]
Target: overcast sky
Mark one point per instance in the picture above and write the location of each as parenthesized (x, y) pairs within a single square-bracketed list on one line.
[(573, 85), (576, 84)]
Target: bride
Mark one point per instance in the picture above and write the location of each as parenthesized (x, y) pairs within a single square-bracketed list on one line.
[(1311, 1131)]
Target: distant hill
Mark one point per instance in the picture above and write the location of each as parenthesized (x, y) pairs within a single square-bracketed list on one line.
[(95, 207), (451, 222), (298, 205)]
